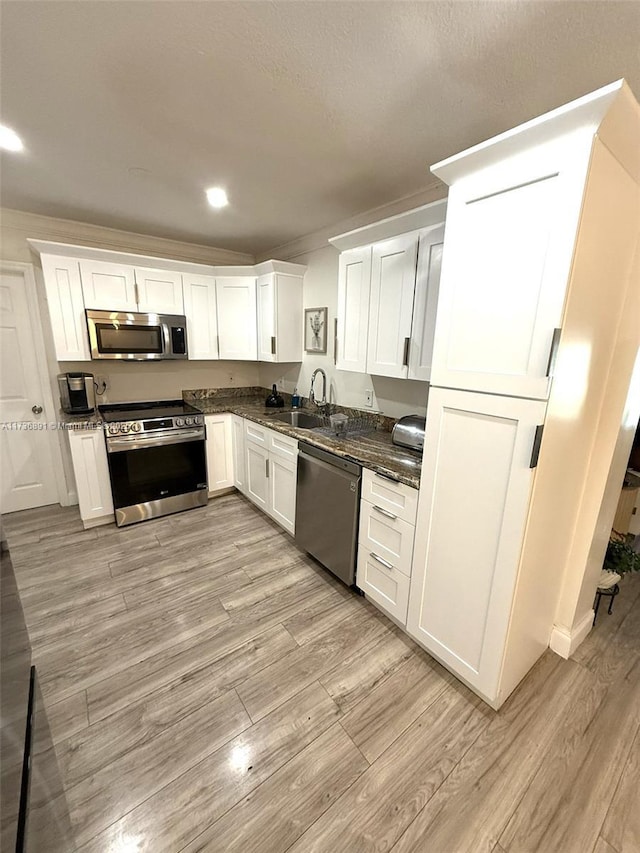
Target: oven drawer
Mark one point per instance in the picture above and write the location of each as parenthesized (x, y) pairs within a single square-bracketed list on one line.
[(387, 536), (383, 584), (397, 498)]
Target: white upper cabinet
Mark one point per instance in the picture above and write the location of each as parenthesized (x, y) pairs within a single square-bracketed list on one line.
[(354, 288), (108, 286), (202, 316), (508, 247), (388, 277), (66, 307), (159, 291), (425, 304), (279, 313), (476, 466), (237, 323), (393, 277)]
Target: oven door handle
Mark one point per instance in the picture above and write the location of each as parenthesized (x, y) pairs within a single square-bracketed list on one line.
[(137, 442)]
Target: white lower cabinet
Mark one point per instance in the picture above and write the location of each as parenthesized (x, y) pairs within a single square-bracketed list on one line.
[(385, 543), (383, 584), (239, 461), (271, 472), (257, 475), (476, 468), (220, 468), (91, 469)]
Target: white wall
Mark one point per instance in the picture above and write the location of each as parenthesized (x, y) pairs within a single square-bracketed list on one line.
[(394, 397), (163, 380)]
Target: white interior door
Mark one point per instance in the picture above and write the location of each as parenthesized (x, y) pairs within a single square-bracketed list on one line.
[(27, 474)]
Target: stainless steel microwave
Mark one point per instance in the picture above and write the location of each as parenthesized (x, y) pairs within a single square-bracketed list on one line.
[(136, 337)]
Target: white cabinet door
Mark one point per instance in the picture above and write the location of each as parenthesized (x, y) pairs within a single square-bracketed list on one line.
[(257, 475), (219, 452), (66, 307), (425, 304), (159, 291), (237, 332), (202, 316), (505, 265), (239, 461), (475, 468), (108, 287), (289, 322), (279, 309), (282, 492), (383, 583), (91, 469), (266, 308), (393, 277), (354, 285)]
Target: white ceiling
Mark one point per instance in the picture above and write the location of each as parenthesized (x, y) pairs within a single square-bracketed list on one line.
[(307, 112)]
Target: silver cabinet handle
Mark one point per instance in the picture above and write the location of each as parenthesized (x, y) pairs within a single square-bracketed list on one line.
[(37, 410), (266, 467), (335, 341), (273, 345), (380, 560), (405, 358), (553, 352), (385, 477), (385, 512)]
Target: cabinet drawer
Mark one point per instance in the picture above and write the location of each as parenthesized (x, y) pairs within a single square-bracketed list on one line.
[(387, 536), (282, 446), (255, 433), (386, 587), (397, 498)]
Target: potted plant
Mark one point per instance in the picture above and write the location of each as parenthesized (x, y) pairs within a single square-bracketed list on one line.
[(620, 556)]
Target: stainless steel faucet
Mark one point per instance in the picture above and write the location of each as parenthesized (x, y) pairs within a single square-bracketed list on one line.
[(312, 396)]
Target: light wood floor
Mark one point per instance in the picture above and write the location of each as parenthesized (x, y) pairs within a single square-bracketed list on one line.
[(210, 688)]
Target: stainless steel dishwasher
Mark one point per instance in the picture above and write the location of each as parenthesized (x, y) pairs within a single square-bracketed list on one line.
[(327, 509)]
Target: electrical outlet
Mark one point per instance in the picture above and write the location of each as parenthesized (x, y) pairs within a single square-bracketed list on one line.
[(368, 397)]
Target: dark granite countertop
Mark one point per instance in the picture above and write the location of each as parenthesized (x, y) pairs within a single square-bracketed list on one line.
[(374, 450), (93, 421)]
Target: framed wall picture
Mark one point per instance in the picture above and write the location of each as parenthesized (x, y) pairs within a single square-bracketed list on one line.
[(315, 330)]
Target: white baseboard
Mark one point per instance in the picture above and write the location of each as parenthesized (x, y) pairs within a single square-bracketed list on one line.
[(564, 642)]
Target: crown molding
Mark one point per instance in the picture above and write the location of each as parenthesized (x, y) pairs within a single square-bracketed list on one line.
[(434, 191), (70, 231)]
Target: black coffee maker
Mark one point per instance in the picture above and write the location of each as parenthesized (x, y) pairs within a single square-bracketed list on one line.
[(77, 393)]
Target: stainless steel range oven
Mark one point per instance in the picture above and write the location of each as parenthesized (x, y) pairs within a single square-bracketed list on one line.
[(157, 459)]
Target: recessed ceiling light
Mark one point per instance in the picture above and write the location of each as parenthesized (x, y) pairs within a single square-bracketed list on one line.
[(9, 139), (217, 197)]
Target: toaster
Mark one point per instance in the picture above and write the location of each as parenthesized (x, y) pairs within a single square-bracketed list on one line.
[(409, 432)]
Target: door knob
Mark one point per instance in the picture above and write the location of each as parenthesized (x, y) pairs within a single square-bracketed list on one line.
[(37, 410)]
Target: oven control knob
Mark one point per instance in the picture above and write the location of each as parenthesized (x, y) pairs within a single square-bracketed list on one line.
[(125, 427), (188, 421), (136, 427), (113, 429), (180, 422)]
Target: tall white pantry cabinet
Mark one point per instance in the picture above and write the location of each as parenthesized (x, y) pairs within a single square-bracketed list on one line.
[(542, 229)]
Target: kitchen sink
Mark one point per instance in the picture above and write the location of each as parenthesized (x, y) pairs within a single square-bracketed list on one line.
[(301, 420)]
